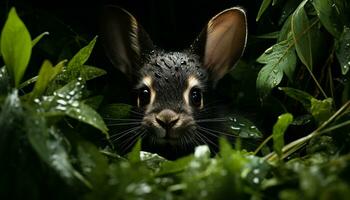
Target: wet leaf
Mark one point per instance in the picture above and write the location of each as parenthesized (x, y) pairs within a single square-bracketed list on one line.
[(76, 64), (65, 101), (343, 49), (278, 132), (46, 74), (173, 167), (302, 36), (243, 128), (16, 46), (278, 59), (91, 72), (329, 16)]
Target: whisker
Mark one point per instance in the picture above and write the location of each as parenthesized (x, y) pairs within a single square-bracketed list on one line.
[(211, 142), (124, 133), (211, 120), (130, 141)]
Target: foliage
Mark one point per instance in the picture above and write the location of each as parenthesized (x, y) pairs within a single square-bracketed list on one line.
[(47, 121)]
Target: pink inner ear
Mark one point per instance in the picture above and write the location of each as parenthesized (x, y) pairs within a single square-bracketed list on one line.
[(226, 39)]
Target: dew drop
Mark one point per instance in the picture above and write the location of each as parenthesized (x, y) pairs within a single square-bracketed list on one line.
[(256, 180), (235, 128), (269, 50), (62, 102)]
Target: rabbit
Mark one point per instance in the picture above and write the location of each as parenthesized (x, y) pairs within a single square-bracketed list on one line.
[(173, 88)]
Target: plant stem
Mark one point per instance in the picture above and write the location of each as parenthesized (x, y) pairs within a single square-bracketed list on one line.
[(297, 144)]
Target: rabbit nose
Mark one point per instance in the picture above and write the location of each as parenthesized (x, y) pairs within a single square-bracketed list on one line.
[(167, 118)]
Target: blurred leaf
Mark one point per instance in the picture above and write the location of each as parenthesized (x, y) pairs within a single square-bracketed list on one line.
[(299, 95), (134, 155), (38, 38), (278, 59), (264, 5), (272, 35), (5, 85), (116, 111), (301, 35), (94, 102), (343, 49), (328, 16), (321, 110), (16, 46), (173, 167), (46, 74), (75, 65), (278, 132)]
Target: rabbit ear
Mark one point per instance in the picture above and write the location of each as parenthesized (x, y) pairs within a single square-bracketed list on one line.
[(124, 39), (222, 42)]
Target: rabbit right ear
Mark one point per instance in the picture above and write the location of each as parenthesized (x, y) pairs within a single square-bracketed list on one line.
[(123, 39)]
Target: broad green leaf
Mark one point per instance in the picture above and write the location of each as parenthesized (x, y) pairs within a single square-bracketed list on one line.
[(321, 110), (38, 38), (299, 95), (46, 74), (94, 102), (16, 46), (278, 59), (52, 149), (75, 65), (243, 128), (278, 132), (343, 51), (134, 155), (90, 72), (301, 35), (329, 17), (264, 5), (65, 101)]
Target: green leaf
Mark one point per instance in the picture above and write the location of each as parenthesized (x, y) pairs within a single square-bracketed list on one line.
[(52, 149), (286, 30), (343, 49), (66, 102), (75, 65), (272, 35), (278, 132), (46, 74), (299, 95), (301, 35), (321, 110), (278, 59), (16, 46), (173, 167), (38, 38), (243, 128), (134, 155), (264, 5), (90, 72), (329, 17)]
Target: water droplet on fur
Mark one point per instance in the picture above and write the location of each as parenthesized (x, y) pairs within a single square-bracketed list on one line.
[(157, 75)]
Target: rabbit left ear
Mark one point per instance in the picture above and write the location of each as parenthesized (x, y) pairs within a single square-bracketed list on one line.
[(222, 42)]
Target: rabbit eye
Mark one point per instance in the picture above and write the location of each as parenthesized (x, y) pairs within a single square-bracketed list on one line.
[(196, 97), (144, 96)]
